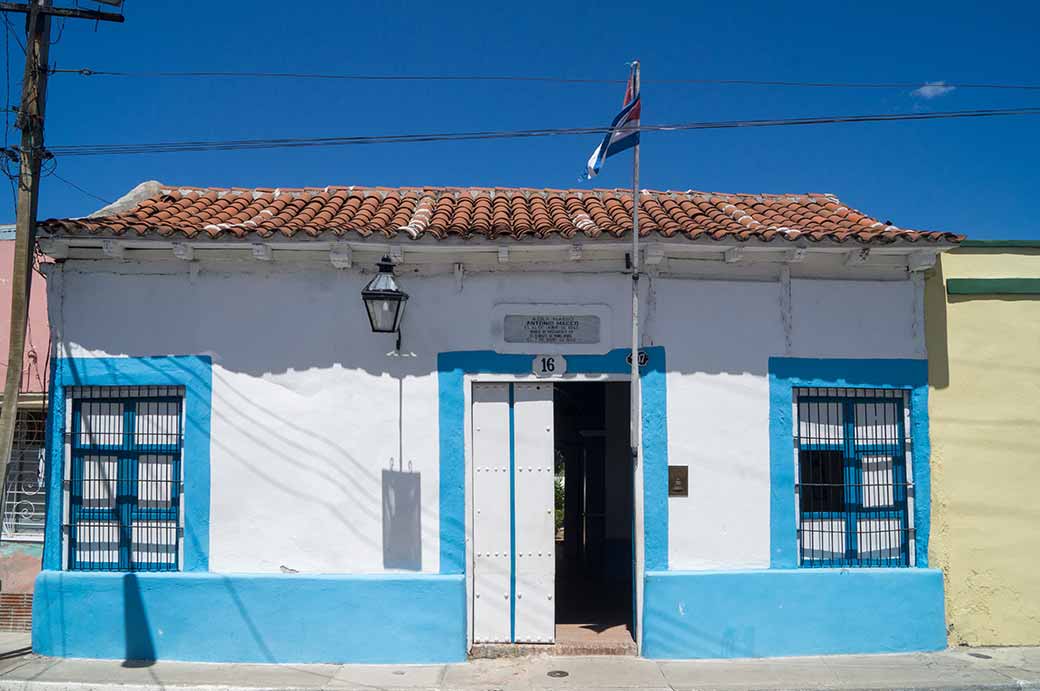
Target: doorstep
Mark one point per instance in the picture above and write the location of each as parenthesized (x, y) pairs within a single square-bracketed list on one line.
[(491, 651), (571, 640)]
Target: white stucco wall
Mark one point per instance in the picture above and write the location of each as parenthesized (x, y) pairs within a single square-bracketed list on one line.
[(306, 400), (719, 336)]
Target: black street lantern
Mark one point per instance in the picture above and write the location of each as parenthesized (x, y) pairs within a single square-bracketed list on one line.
[(384, 301)]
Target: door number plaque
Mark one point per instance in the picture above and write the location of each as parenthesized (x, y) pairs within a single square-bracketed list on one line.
[(548, 365)]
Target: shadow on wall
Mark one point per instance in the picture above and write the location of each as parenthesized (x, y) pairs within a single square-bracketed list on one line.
[(307, 451), (252, 420), (310, 328), (254, 630), (937, 325), (140, 649), (277, 335), (402, 536), (305, 320), (935, 328)]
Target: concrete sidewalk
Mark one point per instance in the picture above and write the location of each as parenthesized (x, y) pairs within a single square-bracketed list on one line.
[(991, 668)]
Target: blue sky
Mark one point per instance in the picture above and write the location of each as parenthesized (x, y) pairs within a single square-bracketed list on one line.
[(972, 176)]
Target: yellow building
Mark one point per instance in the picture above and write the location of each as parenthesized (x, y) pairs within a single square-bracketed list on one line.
[(983, 335)]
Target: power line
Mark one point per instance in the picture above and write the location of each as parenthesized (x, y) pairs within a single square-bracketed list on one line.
[(73, 185), (853, 85), (31, 118), (7, 112), (306, 142), (61, 31), (88, 72), (12, 32)]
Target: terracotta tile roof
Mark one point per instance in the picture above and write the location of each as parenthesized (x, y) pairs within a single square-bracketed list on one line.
[(493, 213)]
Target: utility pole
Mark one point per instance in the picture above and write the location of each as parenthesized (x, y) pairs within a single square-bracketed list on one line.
[(30, 121)]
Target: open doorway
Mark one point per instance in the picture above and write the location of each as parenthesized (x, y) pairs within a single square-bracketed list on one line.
[(593, 502)]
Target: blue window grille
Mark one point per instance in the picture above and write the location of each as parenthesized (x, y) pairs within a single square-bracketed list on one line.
[(853, 492), (125, 449)]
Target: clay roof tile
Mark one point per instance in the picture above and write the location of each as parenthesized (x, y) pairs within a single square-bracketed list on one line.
[(193, 212)]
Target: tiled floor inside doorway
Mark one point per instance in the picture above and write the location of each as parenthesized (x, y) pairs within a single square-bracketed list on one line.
[(593, 617)]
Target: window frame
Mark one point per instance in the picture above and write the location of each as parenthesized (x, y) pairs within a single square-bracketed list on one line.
[(127, 455), (853, 454)]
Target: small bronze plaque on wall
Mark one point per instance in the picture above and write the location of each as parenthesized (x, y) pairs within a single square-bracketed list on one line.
[(678, 481)]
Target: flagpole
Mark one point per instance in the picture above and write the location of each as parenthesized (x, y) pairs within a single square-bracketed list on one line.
[(634, 395)]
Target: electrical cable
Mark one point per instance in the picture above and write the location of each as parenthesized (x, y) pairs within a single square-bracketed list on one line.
[(303, 142), (61, 31), (88, 72), (73, 185), (11, 30), (7, 115), (48, 159)]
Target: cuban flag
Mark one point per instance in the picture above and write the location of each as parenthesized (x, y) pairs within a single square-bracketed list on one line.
[(624, 131)]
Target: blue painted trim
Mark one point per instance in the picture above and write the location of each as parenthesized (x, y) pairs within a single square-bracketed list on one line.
[(53, 446), (655, 464), (208, 617), (452, 482), (786, 374), (194, 373), (512, 513), (778, 612), (451, 369)]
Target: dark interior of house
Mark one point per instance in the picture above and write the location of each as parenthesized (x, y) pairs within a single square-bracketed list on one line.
[(593, 485)]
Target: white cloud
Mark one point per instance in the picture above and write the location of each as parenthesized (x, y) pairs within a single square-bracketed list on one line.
[(931, 90)]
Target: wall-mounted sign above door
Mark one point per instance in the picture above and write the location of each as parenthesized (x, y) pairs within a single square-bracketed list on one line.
[(560, 329), (551, 329)]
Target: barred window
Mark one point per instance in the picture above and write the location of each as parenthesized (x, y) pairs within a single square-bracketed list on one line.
[(126, 448), (25, 496), (852, 450)]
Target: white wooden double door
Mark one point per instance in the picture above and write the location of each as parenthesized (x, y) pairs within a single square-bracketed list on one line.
[(513, 517)]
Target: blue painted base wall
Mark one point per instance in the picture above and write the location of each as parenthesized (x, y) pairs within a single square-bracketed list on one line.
[(774, 613), (208, 617)]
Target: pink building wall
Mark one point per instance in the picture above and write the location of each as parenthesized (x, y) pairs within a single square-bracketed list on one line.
[(35, 366), (20, 560)]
